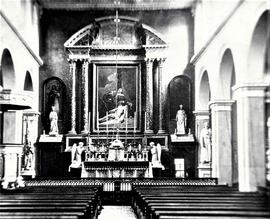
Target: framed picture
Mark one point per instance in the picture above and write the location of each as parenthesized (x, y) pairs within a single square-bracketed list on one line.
[(117, 98)]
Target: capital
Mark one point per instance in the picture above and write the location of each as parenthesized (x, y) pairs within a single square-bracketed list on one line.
[(221, 105), (149, 60), (161, 61), (71, 61)]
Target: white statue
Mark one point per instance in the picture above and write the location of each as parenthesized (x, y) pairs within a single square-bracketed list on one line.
[(154, 152), (156, 155), (53, 122), (76, 155), (181, 121), (116, 115), (205, 144), (159, 152), (28, 156)]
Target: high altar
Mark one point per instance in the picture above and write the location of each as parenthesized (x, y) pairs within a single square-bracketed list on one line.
[(117, 98), (116, 88)]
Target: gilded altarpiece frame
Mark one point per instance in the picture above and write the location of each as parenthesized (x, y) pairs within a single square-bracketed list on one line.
[(117, 98)]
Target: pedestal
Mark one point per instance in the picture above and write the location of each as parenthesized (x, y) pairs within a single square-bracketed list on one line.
[(204, 171), (182, 138), (156, 172), (50, 159), (11, 166), (185, 147)]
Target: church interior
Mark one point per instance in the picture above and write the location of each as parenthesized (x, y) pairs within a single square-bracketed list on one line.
[(153, 106)]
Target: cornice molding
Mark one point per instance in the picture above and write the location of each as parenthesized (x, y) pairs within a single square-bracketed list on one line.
[(127, 5)]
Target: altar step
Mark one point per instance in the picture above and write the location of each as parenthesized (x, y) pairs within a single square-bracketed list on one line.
[(119, 212)]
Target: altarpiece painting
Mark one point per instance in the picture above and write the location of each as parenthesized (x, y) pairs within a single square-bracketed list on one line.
[(117, 98)]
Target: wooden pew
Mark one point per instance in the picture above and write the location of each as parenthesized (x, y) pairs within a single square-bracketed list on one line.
[(171, 202), (38, 202)]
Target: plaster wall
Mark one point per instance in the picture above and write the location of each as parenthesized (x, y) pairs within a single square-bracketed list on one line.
[(23, 61), (24, 15), (239, 44), (237, 35), (209, 14)]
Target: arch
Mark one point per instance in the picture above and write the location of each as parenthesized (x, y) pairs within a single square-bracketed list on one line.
[(180, 93), (258, 56), (7, 76), (204, 92), (28, 84), (54, 94), (227, 75), (133, 27)]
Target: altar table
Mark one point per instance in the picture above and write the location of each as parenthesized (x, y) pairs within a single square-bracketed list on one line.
[(116, 169)]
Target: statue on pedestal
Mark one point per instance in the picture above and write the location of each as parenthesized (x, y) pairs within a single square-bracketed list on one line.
[(205, 144), (76, 152), (53, 122), (156, 155), (28, 153), (181, 121)]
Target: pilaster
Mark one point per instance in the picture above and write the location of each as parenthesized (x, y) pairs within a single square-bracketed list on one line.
[(161, 90), (149, 97), (85, 96), (251, 135), (221, 140), (268, 152), (72, 71)]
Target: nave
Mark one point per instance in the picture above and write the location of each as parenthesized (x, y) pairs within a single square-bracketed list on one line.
[(81, 198), (119, 212)]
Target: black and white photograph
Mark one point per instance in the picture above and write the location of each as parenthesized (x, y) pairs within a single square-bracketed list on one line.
[(134, 109)]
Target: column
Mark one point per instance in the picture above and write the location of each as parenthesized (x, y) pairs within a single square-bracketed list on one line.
[(251, 136), (161, 91), (149, 97), (72, 71), (85, 97), (222, 140), (268, 151), (12, 159)]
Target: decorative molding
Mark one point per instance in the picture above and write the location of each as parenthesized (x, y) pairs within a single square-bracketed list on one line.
[(109, 4), (95, 36), (34, 55), (16, 100), (221, 105), (250, 90)]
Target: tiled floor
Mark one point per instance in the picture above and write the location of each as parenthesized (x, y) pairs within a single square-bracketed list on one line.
[(117, 212)]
